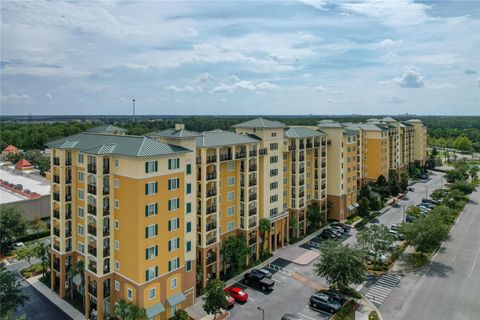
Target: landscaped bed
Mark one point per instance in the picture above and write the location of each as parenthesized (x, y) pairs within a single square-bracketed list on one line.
[(33, 270), (347, 312)]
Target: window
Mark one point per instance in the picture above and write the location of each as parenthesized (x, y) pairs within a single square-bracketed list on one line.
[(273, 211), (151, 231), (189, 246), (151, 273), (151, 188), (230, 211), (116, 244), (116, 183), (81, 247), (116, 204), (173, 283), (231, 181), (80, 158), (173, 244), (81, 176), (273, 185), (129, 294), (285, 193), (116, 223), (188, 207), (151, 166), (273, 159), (151, 293), (188, 265), (81, 194), (151, 209), (117, 162), (173, 224), (188, 227), (189, 188), (173, 164), (274, 134), (80, 229), (231, 196), (173, 204), (117, 265), (273, 198), (173, 264), (230, 166), (231, 226), (81, 212), (273, 146), (117, 285), (189, 168), (285, 168), (285, 180), (173, 184), (151, 252), (273, 172)]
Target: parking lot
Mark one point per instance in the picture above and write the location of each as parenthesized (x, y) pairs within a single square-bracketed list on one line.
[(288, 296)]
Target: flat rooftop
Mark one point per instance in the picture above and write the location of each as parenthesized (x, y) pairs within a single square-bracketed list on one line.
[(41, 186)]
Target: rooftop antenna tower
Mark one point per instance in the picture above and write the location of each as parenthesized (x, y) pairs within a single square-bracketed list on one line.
[(133, 102)]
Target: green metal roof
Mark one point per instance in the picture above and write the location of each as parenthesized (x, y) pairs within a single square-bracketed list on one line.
[(329, 124), (107, 128), (174, 134), (123, 145), (218, 138), (260, 123), (176, 299), (155, 310), (302, 132)]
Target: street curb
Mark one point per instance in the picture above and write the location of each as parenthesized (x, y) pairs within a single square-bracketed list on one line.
[(374, 306)]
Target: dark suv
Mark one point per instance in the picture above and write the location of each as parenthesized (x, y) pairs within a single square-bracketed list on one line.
[(323, 302)]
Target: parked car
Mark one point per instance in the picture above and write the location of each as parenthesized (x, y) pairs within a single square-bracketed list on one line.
[(410, 219), (425, 200), (411, 189), (397, 234), (324, 302), (236, 293), (339, 229), (334, 294), (423, 176), (259, 280), (345, 227), (336, 231), (289, 316), (330, 234), (18, 245), (230, 300), (267, 273), (394, 227)]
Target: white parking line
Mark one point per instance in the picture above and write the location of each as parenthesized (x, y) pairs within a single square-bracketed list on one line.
[(474, 262), (276, 280), (302, 315), (250, 298)]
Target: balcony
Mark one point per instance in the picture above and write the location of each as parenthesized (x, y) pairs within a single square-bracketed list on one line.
[(211, 209), (211, 259), (106, 169), (253, 153), (302, 158), (92, 209), (68, 179), (211, 159), (252, 168), (68, 233), (253, 182), (199, 160), (106, 190), (92, 230), (241, 155), (301, 194), (56, 196), (316, 144), (92, 289), (301, 182), (252, 212), (106, 211), (263, 151), (210, 241), (56, 232), (309, 145), (92, 168), (92, 250), (56, 214), (211, 176), (225, 157), (292, 147), (302, 146), (68, 197), (56, 178), (106, 269), (210, 226), (56, 161), (252, 224), (211, 193), (92, 189), (106, 252), (252, 241), (106, 232), (302, 170), (252, 197)]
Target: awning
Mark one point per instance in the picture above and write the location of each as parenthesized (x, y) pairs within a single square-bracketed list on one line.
[(356, 205), (154, 310), (176, 299), (350, 207), (77, 279)]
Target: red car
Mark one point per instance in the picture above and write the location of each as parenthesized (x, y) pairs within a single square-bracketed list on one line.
[(238, 294), (230, 300)]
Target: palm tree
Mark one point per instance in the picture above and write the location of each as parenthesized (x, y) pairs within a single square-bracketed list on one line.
[(264, 227), (121, 309), (72, 272), (80, 270), (134, 312)]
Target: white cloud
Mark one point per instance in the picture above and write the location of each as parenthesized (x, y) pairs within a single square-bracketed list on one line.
[(439, 59), (247, 85), (15, 97), (186, 88), (390, 57), (440, 85), (48, 96), (386, 43), (317, 4), (411, 78), (319, 89), (338, 92), (244, 85), (267, 86)]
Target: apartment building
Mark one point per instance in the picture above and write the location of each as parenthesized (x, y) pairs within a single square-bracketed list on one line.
[(420, 144), (125, 206)]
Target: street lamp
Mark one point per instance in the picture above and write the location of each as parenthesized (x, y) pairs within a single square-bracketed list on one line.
[(263, 312)]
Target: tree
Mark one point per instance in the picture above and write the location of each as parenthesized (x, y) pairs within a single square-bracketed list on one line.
[(215, 297), (404, 181), (363, 207), (393, 185), (235, 251), (455, 175), (375, 203), (135, 312), (314, 215), (41, 252), (413, 211), (293, 224), (463, 186), (264, 227), (438, 194), (180, 315), (13, 225), (463, 143), (426, 234), (375, 239), (11, 295), (340, 264), (27, 252), (473, 171), (381, 180), (121, 309)]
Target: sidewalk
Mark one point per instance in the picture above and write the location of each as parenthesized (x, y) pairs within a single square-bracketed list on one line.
[(365, 308), (62, 304)]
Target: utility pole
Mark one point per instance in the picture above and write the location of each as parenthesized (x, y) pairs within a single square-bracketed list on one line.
[(133, 102)]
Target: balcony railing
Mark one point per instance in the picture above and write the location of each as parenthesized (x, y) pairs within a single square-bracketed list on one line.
[(106, 190), (106, 232), (291, 147), (92, 289), (309, 145), (252, 197), (56, 196), (56, 178), (92, 230), (211, 209), (253, 168), (211, 193), (92, 209), (56, 214), (253, 153), (263, 151), (56, 265), (106, 252), (210, 241), (210, 226), (252, 241), (211, 159), (211, 176), (252, 212), (106, 211), (240, 155), (68, 197), (56, 161), (92, 168), (92, 250), (56, 232), (225, 157), (92, 189), (252, 224), (211, 259), (68, 179), (252, 183), (68, 233), (106, 169), (68, 161)]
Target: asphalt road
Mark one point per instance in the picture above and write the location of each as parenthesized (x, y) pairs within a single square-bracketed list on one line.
[(37, 306), (450, 287)]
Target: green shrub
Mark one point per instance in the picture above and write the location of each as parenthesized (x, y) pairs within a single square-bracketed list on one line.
[(351, 293), (32, 270), (347, 311), (373, 316)]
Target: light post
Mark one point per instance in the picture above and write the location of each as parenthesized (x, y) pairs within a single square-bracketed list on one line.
[(263, 312)]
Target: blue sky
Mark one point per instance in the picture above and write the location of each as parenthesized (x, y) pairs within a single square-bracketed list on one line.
[(248, 57)]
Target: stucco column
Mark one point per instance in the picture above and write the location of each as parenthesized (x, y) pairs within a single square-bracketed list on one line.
[(100, 301), (86, 297), (62, 276)]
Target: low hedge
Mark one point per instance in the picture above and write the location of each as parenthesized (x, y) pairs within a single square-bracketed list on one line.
[(32, 270), (373, 316), (366, 220), (347, 312)]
